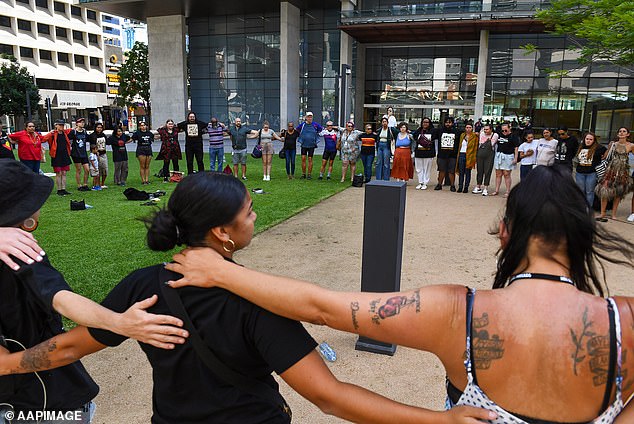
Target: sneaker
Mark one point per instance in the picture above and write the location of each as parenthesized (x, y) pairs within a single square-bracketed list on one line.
[(328, 177), (452, 189), (96, 188), (65, 191), (104, 187), (466, 190), (244, 177), (424, 187), (630, 218), (321, 177), (477, 190), (485, 192), (419, 187), (309, 177), (459, 189), (264, 178), (61, 193), (438, 187), (303, 177)]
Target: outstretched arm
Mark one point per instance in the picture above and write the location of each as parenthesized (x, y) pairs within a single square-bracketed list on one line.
[(419, 318), (162, 331), (55, 352), (312, 379)]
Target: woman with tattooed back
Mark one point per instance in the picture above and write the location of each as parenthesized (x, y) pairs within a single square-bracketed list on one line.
[(214, 210), (544, 346)]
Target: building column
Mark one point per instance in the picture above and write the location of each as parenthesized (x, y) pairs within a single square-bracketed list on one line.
[(168, 78), (483, 58), (289, 63), (345, 57), (359, 89)]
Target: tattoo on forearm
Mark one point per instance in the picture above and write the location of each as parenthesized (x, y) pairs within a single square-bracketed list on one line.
[(354, 308), (36, 358), (393, 306), (486, 347), (578, 338)]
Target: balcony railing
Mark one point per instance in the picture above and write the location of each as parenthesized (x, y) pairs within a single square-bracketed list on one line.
[(444, 11)]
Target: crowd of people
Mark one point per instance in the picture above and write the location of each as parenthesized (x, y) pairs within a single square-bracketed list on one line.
[(392, 150)]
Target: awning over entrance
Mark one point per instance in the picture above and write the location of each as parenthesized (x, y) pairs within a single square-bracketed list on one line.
[(76, 100)]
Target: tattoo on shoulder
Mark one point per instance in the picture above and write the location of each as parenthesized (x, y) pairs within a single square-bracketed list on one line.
[(354, 308), (486, 347), (393, 306), (36, 358), (595, 347)]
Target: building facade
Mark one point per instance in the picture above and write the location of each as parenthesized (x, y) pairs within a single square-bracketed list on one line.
[(344, 59), (61, 44)]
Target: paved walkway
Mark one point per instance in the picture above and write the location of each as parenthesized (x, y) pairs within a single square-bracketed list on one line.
[(445, 241)]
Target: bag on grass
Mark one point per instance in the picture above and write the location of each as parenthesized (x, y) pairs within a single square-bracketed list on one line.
[(77, 205), (357, 180), (132, 193), (227, 170), (176, 177)]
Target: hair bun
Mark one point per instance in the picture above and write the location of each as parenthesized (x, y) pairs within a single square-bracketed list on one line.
[(162, 234)]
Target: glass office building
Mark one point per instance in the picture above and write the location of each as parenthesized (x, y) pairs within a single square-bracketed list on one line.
[(489, 59)]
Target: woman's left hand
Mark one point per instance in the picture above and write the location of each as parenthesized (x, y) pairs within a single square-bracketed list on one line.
[(19, 244)]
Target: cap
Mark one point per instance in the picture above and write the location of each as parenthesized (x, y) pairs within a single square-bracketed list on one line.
[(309, 114), (60, 122), (80, 120)]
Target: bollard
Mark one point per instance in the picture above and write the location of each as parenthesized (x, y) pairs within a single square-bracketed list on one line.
[(383, 222)]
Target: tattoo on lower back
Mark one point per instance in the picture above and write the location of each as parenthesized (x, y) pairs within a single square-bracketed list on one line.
[(354, 307), (486, 347), (393, 306), (36, 358), (578, 339)]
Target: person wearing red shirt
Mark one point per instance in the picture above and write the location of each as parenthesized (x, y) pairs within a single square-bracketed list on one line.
[(59, 150), (29, 146)]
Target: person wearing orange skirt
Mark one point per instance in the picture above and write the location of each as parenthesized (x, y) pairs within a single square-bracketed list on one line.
[(402, 148)]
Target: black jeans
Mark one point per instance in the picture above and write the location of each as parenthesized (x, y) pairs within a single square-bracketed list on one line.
[(166, 167), (194, 149)]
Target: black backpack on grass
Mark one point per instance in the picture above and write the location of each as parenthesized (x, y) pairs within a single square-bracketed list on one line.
[(132, 193)]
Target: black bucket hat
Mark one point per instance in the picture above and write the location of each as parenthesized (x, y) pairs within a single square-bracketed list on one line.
[(23, 192)]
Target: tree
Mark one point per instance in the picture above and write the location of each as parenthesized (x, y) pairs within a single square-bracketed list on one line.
[(605, 26), (135, 77), (15, 82)]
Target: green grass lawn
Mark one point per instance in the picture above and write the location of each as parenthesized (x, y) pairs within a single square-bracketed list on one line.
[(96, 248)]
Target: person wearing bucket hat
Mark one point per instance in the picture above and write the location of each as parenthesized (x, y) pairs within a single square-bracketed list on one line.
[(59, 146), (33, 299)]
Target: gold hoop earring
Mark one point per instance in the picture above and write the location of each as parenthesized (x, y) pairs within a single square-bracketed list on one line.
[(233, 246), (29, 224)]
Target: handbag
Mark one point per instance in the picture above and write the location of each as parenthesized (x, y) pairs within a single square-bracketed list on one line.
[(209, 358), (257, 149), (77, 205), (357, 180), (282, 153), (603, 166)]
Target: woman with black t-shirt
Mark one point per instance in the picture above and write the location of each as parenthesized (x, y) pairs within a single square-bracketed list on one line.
[(144, 138), (290, 149), (215, 210), (117, 141)]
